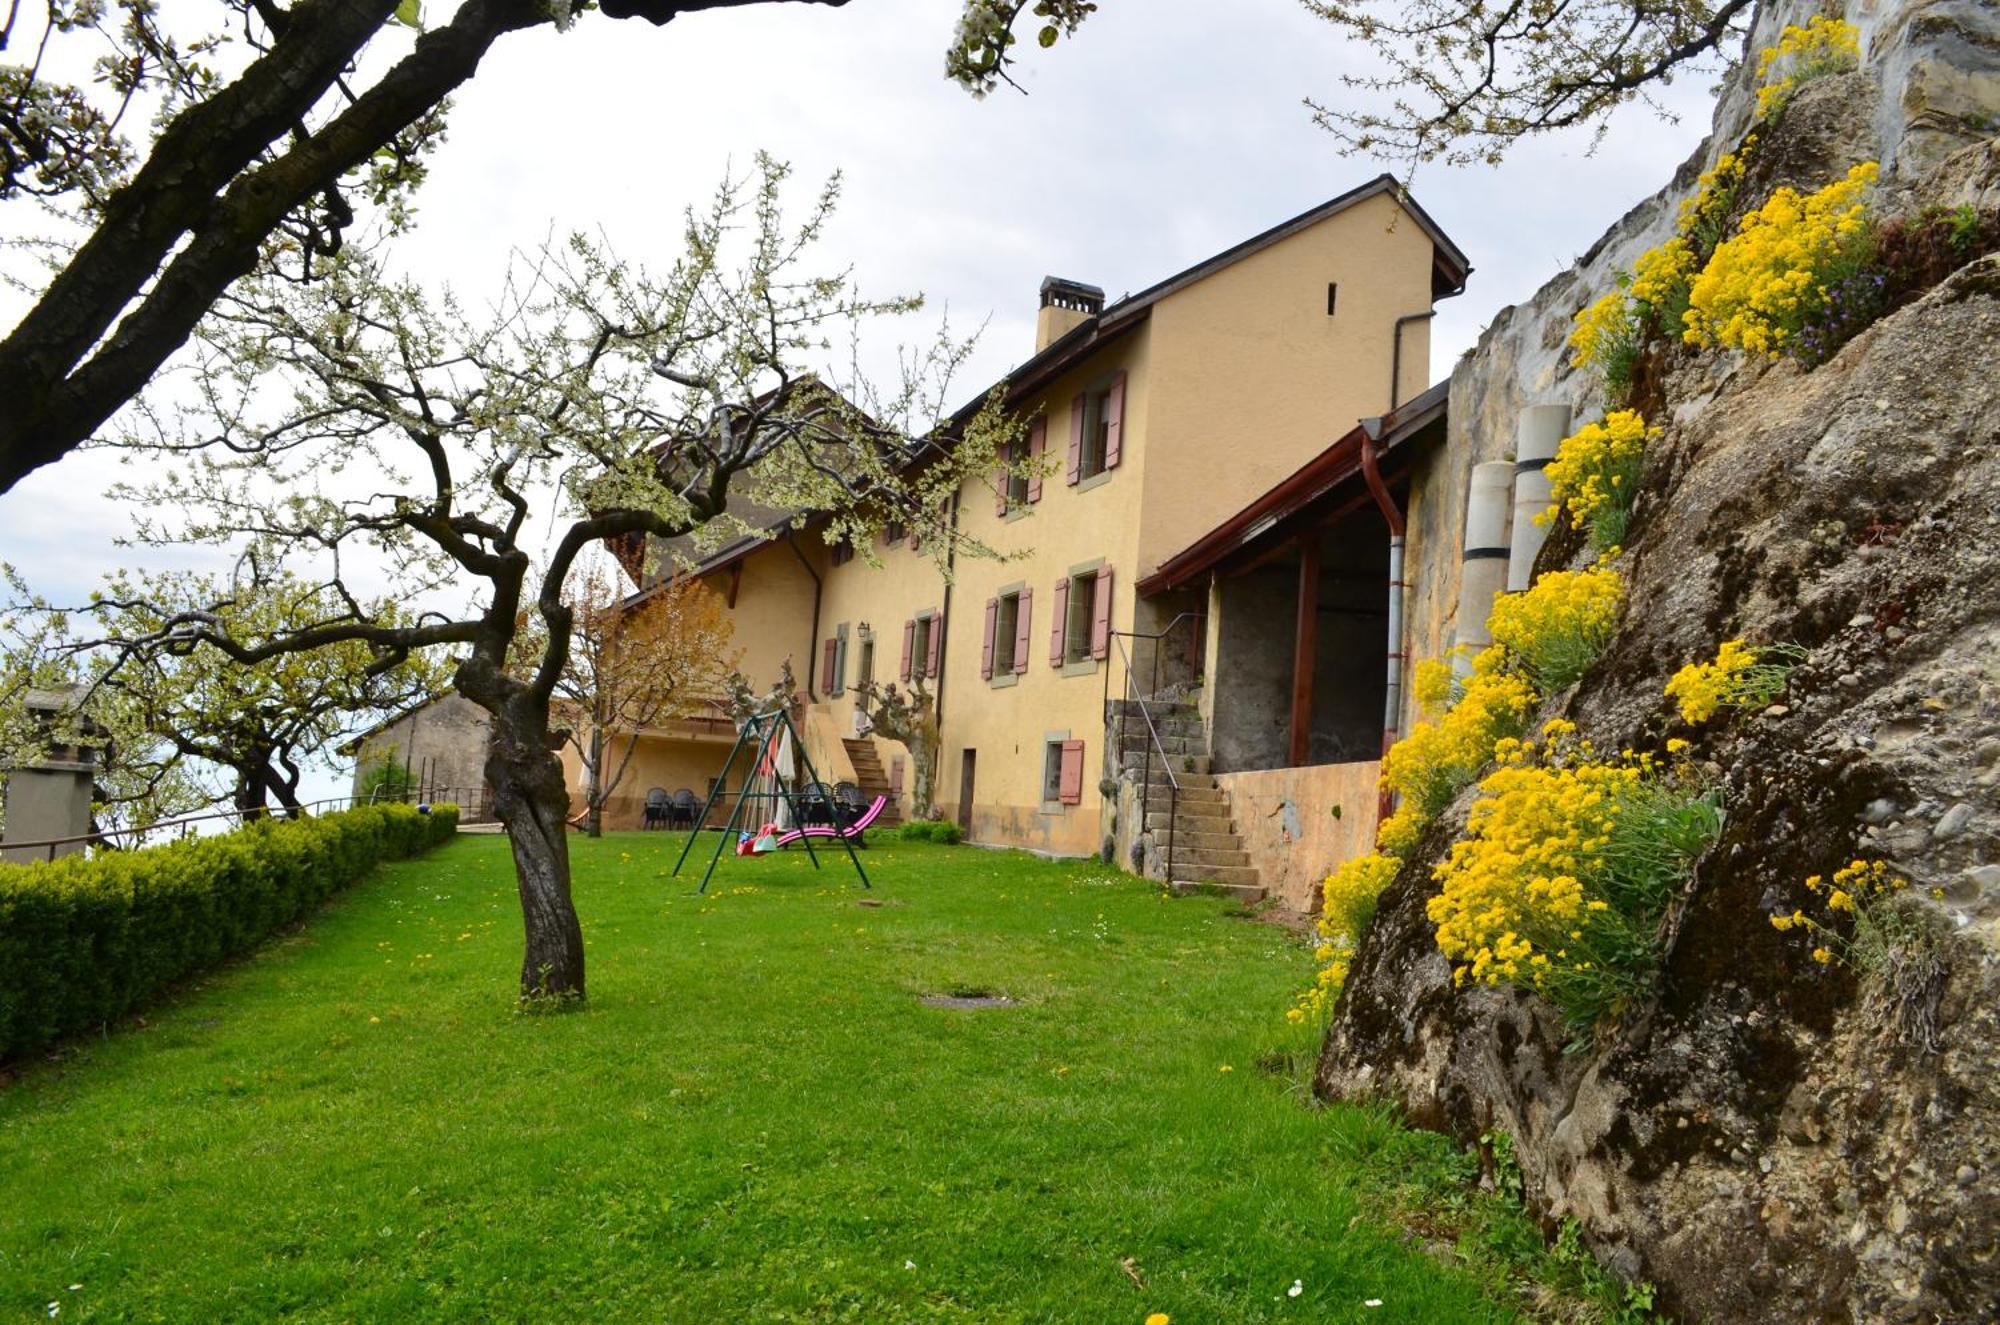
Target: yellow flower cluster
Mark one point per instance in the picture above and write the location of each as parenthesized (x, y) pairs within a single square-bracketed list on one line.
[(1558, 628), (1515, 906), (1703, 215), (1854, 888), (1428, 766), (1349, 895), (1823, 46), (1741, 676), (1432, 683), (1763, 282), (1597, 467), (1603, 332)]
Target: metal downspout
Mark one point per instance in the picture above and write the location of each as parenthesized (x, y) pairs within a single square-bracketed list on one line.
[(1392, 706)]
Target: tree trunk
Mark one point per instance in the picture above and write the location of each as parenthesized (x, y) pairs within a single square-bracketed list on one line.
[(250, 799), (593, 823), (531, 801)]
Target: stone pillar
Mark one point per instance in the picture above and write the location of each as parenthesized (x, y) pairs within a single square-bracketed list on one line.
[(51, 797)]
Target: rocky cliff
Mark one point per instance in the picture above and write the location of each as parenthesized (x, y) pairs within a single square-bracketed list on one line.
[(1772, 1139)]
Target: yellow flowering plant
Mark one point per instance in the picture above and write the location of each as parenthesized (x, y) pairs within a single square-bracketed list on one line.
[(1823, 47), (1558, 628), (1595, 474), (1763, 284), (1348, 898), (1741, 676), (1566, 868), (1429, 765), (1864, 892)]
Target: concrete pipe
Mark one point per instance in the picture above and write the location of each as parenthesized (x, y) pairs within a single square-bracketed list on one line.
[(1482, 574), (1541, 431)]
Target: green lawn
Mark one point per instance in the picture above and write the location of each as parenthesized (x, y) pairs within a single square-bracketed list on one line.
[(754, 1118)]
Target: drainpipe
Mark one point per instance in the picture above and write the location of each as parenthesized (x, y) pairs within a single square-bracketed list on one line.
[(1371, 472), (1396, 352), (812, 647), (1536, 437)]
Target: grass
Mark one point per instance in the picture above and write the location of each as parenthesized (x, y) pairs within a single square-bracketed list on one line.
[(754, 1118)]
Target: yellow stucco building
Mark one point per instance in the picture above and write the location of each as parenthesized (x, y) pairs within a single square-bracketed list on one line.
[(1164, 414)]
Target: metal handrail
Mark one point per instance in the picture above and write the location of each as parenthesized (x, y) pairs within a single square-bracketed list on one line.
[(185, 822), (1153, 731)]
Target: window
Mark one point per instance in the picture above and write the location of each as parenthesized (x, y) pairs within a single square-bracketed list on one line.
[(920, 649), (1016, 491), (1077, 623), (1062, 772), (1006, 626), (894, 532), (866, 673), (1097, 426), (842, 553)]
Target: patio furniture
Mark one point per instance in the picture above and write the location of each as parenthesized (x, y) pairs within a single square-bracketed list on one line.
[(686, 809), (658, 809)]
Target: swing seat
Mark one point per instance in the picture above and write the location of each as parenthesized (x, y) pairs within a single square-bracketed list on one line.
[(852, 832)]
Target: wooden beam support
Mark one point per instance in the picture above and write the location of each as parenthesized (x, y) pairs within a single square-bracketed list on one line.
[(1305, 640)]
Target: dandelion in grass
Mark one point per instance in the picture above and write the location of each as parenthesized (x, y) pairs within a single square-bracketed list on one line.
[(1159, 1318)]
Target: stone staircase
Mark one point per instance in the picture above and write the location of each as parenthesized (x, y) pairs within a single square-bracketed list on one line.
[(873, 780), (1198, 823)]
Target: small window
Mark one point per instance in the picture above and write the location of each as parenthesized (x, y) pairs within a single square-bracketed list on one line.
[(866, 672), (1017, 478), (842, 553), (1078, 617), (1006, 633), (894, 532), (1052, 762), (920, 648), (1096, 433)]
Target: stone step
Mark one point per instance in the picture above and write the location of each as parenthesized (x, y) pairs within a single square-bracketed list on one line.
[(1200, 819), (1198, 859), (1245, 874), (1155, 707), (1183, 765), (1187, 839), (1242, 892)]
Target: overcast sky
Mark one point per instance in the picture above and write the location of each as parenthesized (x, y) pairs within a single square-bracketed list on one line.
[(1165, 132)]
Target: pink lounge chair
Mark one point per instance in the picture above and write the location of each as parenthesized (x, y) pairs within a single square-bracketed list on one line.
[(853, 830)]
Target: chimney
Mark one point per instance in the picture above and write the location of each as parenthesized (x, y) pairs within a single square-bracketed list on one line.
[(1065, 305)]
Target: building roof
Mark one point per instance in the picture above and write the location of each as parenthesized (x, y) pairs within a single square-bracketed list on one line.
[(1449, 270), (1316, 488)]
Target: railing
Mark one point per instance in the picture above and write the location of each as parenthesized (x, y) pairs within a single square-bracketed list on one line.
[(183, 827), (1154, 742)]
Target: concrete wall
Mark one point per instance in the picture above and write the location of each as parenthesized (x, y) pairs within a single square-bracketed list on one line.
[(1285, 818), (449, 734)]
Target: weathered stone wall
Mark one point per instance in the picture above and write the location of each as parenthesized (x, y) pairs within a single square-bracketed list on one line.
[(1770, 1139), (448, 737)]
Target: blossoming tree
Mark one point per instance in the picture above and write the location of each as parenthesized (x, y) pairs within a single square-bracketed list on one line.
[(364, 411)]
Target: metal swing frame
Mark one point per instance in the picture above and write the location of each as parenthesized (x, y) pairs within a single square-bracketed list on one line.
[(764, 728)]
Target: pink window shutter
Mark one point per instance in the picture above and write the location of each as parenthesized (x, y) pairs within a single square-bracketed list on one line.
[(1075, 440), (1100, 617), (933, 663), (1023, 611), (986, 649), (909, 646), (1038, 442), (1070, 790), (896, 775), (827, 654), (1114, 421), (1056, 625)]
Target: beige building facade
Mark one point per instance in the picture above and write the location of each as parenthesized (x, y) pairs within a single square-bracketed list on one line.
[(1160, 416)]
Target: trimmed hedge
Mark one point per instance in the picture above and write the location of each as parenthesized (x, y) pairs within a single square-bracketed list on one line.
[(84, 941), (945, 832)]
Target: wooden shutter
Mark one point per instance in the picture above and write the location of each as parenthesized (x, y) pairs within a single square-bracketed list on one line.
[(1100, 617), (1006, 481), (1023, 610), (936, 651), (1075, 440), (1061, 619), (1038, 442), (1071, 786), (1114, 420), (896, 775), (986, 649), (909, 643), (826, 656)]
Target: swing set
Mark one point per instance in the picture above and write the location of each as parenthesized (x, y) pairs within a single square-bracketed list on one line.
[(760, 735)]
